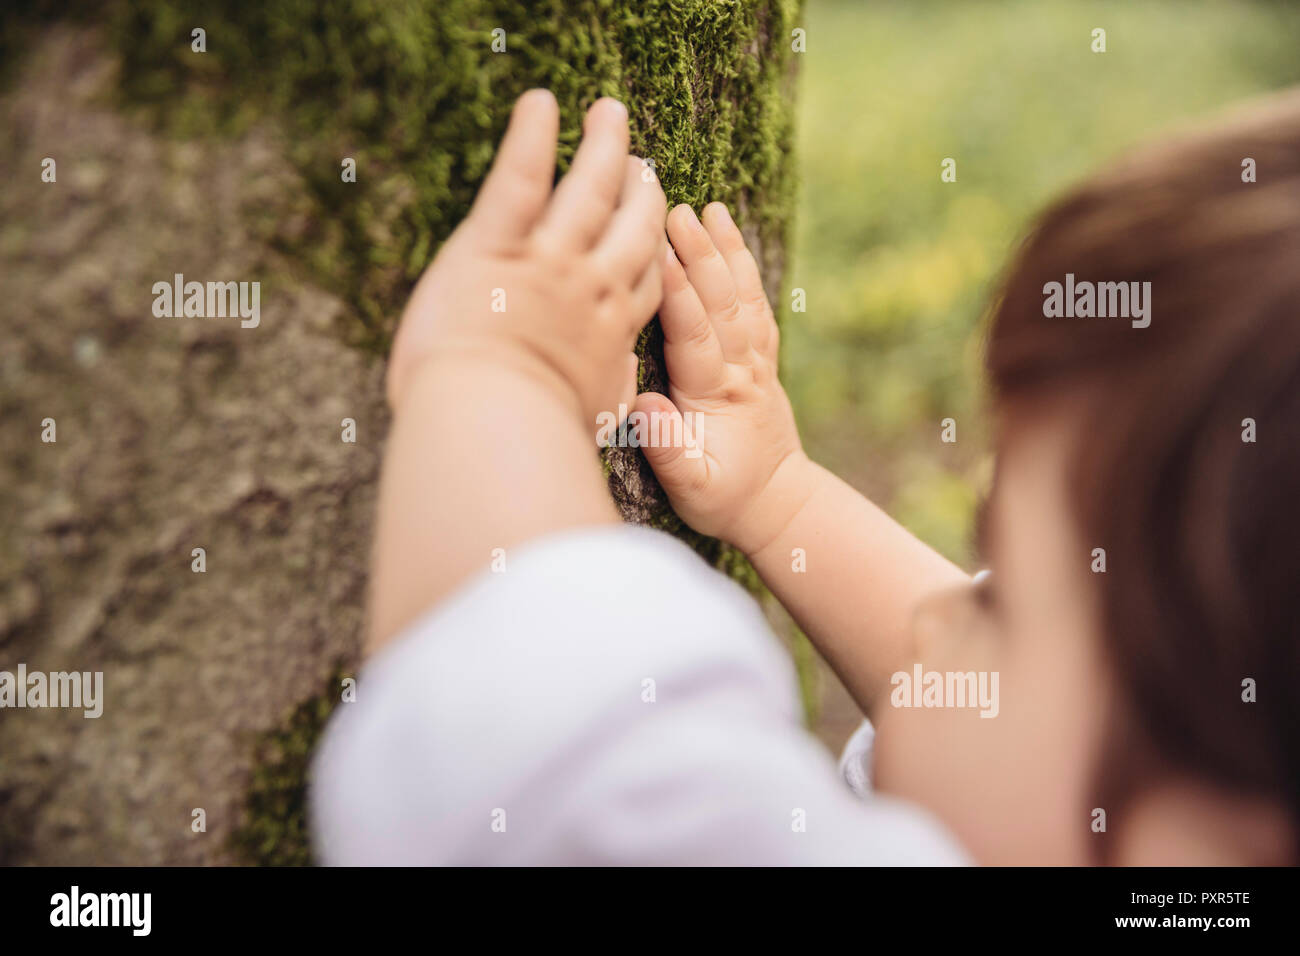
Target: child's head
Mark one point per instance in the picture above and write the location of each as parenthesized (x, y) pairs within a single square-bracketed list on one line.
[(1164, 690)]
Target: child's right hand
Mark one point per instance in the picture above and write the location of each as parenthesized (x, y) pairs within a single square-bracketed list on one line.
[(576, 263), (720, 346)]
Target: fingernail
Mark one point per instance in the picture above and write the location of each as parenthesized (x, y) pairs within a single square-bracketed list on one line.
[(719, 209), (615, 107)]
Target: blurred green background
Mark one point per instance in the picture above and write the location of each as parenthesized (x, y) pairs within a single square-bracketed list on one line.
[(897, 266)]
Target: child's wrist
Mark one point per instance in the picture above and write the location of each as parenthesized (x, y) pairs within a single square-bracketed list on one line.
[(787, 492), (491, 358)]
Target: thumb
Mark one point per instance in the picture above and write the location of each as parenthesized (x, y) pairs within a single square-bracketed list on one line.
[(672, 446)]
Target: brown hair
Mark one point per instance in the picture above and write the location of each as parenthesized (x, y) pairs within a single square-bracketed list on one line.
[(1201, 528)]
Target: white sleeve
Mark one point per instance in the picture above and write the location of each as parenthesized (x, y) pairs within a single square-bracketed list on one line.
[(606, 699)]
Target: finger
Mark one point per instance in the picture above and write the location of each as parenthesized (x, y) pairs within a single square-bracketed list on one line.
[(517, 188), (635, 235), (624, 392), (585, 198), (674, 447), (627, 397), (692, 353), (647, 294), (760, 325), (712, 281)]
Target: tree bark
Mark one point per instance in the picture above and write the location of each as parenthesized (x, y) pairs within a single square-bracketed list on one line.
[(175, 434)]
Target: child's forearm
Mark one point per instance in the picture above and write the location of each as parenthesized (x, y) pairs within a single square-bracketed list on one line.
[(851, 577), (485, 452), (493, 441)]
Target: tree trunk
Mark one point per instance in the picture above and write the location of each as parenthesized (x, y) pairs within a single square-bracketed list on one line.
[(177, 434)]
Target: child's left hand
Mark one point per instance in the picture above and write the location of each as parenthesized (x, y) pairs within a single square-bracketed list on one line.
[(555, 282), (720, 346)]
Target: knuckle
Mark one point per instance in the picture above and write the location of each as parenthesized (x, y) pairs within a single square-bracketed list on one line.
[(731, 310), (756, 299), (699, 333), (547, 253)]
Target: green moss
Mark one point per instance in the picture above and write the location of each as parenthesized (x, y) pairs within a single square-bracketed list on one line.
[(414, 92), (274, 828)]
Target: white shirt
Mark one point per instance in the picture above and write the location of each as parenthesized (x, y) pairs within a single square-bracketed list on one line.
[(607, 698)]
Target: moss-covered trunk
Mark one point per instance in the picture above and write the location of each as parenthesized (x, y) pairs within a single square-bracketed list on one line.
[(177, 434)]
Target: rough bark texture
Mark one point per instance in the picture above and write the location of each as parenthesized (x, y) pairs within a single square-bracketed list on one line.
[(174, 434)]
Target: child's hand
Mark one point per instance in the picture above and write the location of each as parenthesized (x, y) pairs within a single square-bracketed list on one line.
[(556, 282), (721, 351)]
